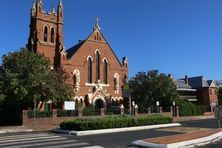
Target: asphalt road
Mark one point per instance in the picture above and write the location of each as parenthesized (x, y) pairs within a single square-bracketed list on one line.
[(123, 139), (120, 140), (112, 140)]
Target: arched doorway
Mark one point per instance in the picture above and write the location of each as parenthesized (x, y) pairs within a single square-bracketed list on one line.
[(99, 104)]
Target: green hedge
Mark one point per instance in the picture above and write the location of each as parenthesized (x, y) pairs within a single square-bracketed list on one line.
[(113, 122), (189, 109), (39, 114)]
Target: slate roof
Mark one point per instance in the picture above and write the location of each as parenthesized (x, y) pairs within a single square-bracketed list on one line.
[(71, 51), (182, 84), (197, 82), (209, 82)]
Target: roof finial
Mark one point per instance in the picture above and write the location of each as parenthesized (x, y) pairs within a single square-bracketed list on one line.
[(97, 24), (33, 4), (53, 9), (60, 3)]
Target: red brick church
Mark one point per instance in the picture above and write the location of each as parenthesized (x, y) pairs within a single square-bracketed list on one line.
[(95, 72)]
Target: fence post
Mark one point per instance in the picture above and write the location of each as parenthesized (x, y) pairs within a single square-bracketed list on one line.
[(178, 111), (161, 110), (171, 111), (136, 110), (24, 117), (54, 113), (122, 109), (149, 110), (79, 112)]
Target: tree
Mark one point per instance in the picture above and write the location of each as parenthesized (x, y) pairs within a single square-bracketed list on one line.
[(147, 88), (27, 80), (219, 92)]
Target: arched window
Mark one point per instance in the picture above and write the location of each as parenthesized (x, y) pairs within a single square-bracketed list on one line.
[(45, 33), (89, 70), (52, 35), (105, 70), (74, 81), (97, 66)]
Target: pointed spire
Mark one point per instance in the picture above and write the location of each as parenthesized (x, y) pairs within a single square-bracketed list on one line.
[(96, 26), (60, 3), (33, 5), (39, 1), (53, 9)]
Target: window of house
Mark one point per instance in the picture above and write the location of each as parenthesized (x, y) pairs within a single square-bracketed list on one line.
[(97, 66), (52, 35), (105, 70), (89, 70), (45, 33)]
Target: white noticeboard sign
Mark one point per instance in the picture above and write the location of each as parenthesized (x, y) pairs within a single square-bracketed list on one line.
[(69, 105)]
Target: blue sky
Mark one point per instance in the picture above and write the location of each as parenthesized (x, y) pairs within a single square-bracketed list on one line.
[(181, 37)]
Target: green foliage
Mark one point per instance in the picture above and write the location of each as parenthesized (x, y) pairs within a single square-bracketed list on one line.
[(39, 114), (189, 109), (64, 113), (26, 77), (89, 111), (113, 122), (219, 91), (147, 88)]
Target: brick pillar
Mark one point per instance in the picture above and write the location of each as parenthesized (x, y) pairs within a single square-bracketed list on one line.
[(178, 111), (79, 112), (24, 117), (161, 110), (102, 111), (54, 113), (122, 110), (149, 110)]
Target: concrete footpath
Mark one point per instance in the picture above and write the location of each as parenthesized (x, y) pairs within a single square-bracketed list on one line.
[(193, 139)]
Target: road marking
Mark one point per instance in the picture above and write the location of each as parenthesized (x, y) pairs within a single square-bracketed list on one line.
[(31, 141), (22, 136), (93, 147), (28, 139), (43, 144), (68, 145)]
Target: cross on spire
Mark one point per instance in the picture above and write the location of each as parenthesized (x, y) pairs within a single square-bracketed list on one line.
[(96, 26)]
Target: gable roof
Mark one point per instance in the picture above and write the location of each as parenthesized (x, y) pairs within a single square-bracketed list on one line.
[(71, 51), (212, 83)]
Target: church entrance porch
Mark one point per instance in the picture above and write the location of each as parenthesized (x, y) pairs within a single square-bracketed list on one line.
[(99, 104)]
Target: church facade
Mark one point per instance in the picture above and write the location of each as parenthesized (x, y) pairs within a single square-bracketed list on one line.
[(95, 72)]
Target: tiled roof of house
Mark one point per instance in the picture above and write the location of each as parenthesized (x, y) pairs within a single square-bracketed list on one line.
[(182, 84), (197, 82)]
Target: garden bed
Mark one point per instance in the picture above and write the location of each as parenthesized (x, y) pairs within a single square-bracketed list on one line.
[(113, 122)]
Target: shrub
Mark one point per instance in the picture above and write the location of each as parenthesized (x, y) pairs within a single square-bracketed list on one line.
[(39, 114), (89, 111), (189, 109), (113, 122)]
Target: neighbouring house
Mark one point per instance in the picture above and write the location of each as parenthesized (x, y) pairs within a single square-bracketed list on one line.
[(97, 75), (198, 89)]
